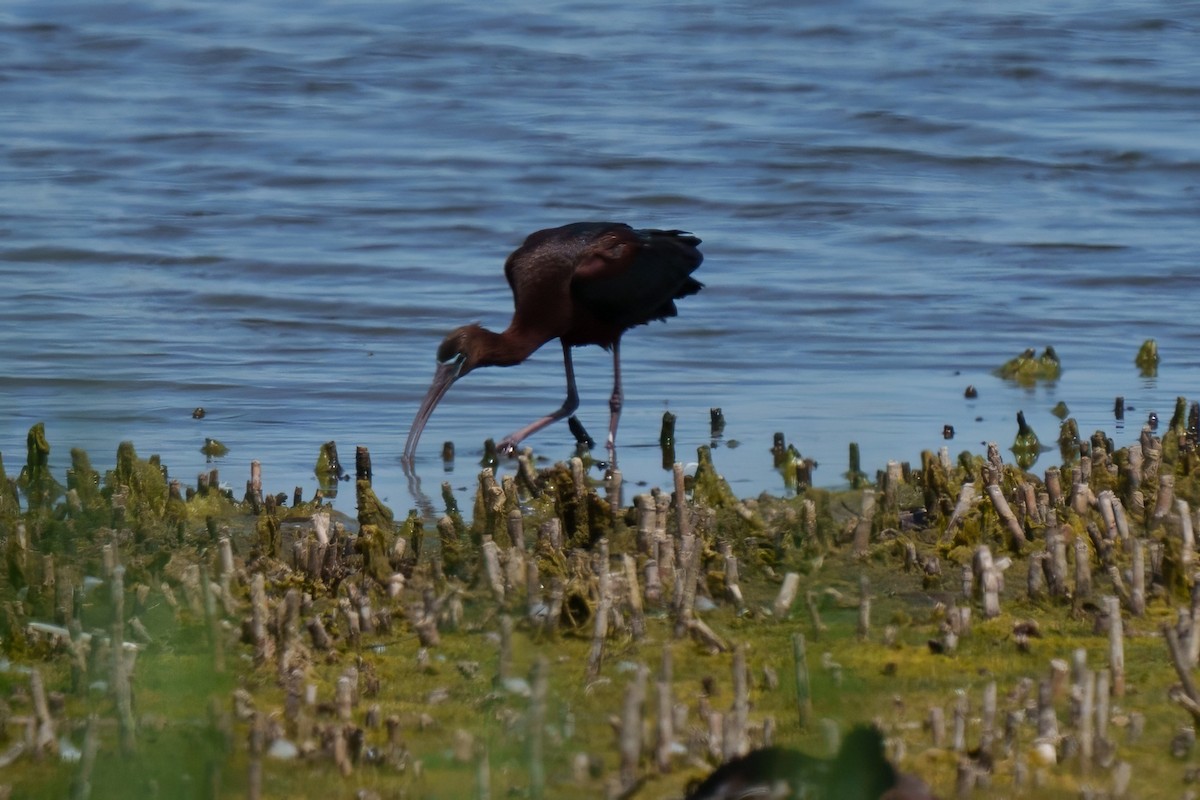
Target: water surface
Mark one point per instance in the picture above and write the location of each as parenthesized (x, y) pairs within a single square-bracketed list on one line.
[(276, 212)]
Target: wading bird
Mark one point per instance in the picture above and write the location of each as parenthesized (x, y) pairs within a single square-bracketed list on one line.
[(583, 283), (860, 771)]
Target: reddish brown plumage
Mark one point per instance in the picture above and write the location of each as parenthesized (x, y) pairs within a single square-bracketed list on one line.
[(583, 283)]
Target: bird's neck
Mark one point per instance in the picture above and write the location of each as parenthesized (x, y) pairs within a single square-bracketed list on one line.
[(504, 349)]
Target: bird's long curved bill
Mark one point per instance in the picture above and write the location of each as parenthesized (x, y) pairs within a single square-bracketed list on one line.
[(442, 380)]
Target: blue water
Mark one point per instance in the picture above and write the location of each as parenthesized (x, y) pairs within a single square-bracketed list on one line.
[(276, 212)]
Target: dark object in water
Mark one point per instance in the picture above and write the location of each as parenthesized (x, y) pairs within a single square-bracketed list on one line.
[(860, 771), (716, 422), (584, 283)]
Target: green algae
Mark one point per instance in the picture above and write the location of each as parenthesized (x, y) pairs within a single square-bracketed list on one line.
[(328, 468), (214, 448), (1028, 368), (371, 510), (84, 482), (1147, 359), (38, 485), (141, 486), (269, 536), (709, 487), (10, 502), (854, 474), (1026, 447), (413, 532), (1068, 441)]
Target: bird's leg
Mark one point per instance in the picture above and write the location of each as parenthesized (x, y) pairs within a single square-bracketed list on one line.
[(614, 404), (510, 442)]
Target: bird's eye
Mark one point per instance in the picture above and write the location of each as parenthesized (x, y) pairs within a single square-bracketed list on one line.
[(448, 352), (452, 358)]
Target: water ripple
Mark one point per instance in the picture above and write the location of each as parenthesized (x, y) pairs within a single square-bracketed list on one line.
[(277, 211)]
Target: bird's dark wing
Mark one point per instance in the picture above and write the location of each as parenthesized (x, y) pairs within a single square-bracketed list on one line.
[(629, 277)]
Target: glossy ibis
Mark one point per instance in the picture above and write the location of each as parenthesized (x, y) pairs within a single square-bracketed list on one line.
[(859, 771), (583, 283)]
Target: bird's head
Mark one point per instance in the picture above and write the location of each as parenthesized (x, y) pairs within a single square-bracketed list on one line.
[(456, 357), (457, 350)]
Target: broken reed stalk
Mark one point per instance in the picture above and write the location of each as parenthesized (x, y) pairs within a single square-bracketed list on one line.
[(1103, 698), (681, 508), (1054, 486), (1187, 553), (1083, 570), (864, 607), (599, 628), (614, 487), (646, 515), (893, 477), (554, 605), (483, 776), (737, 742), (814, 613), (504, 666), (212, 620), (803, 687), (533, 592), (45, 740), (732, 582), (637, 618), (1005, 512), (1193, 639), (256, 739), (121, 685), (1108, 514), (787, 595), (1085, 731), (81, 786), (987, 734), (937, 726), (1116, 645), (962, 705), (966, 499), (862, 531), (537, 726), (341, 750), (1189, 700), (226, 574), (491, 564), (685, 599), (630, 737), (666, 726), (425, 619)]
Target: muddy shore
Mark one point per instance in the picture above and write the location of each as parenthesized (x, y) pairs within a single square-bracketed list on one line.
[(1011, 632)]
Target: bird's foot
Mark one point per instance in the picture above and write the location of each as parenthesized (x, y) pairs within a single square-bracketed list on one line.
[(507, 447)]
